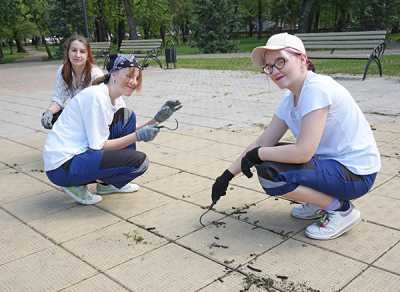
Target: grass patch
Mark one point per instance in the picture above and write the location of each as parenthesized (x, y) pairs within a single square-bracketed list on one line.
[(391, 65), (9, 58)]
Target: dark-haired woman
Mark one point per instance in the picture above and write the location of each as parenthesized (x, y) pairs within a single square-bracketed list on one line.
[(76, 73), (334, 159)]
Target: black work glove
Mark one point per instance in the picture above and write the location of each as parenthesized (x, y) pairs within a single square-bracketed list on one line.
[(249, 160), (220, 186)]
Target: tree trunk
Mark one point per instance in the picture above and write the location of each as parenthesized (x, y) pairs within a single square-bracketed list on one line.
[(259, 19), (131, 21), (50, 56), (1, 52), (100, 31), (20, 48), (121, 32), (10, 45), (306, 15), (162, 33), (251, 26)]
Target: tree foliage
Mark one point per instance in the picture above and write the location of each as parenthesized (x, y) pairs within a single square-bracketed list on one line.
[(214, 24)]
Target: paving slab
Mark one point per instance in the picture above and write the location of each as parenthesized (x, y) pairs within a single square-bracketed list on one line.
[(17, 240), (390, 189), (42, 205), (14, 153), (366, 242), (181, 184), (48, 270), (390, 260), (155, 172), (235, 199), (301, 262), (170, 268), (131, 204), (73, 222), (113, 245), (379, 209), (98, 283), (174, 220), (374, 280), (231, 242), (273, 214), (15, 185)]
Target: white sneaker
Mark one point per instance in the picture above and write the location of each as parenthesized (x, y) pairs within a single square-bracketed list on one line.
[(82, 195), (110, 189), (307, 211), (333, 224)]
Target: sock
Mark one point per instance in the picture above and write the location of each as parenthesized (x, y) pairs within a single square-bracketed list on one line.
[(344, 207), (334, 205)]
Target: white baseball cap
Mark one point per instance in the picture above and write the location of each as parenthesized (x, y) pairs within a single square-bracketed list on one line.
[(277, 42)]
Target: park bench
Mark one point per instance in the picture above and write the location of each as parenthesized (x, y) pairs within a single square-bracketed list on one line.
[(143, 49), (100, 49), (358, 45)]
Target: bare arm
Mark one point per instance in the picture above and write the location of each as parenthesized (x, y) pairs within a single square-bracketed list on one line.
[(54, 107), (149, 122), (120, 143), (312, 128), (270, 137)]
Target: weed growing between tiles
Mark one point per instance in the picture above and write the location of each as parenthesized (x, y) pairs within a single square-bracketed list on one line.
[(134, 237), (268, 284)]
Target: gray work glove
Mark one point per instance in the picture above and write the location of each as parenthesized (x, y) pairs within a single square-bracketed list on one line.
[(147, 133), (167, 110), (47, 118)]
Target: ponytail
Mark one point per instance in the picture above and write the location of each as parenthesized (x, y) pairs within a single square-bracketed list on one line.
[(103, 79), (310, 65)]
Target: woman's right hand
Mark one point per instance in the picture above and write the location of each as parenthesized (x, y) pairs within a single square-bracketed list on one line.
[(221, 185), (147, 133), (47, 118)]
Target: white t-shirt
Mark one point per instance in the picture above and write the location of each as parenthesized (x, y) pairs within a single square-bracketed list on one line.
[(83, 124), (347, 137), (62, 94)]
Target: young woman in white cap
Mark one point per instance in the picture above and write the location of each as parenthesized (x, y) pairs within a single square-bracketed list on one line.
[(334, 159), (94, 139), (76, 73)]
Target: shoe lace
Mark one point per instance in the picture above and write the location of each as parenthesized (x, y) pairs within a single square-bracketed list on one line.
[(324, 220)]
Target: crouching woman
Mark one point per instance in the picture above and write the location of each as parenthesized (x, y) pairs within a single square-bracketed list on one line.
[(95, 138)]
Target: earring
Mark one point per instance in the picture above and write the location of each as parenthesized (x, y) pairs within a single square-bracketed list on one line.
[(114, 81)]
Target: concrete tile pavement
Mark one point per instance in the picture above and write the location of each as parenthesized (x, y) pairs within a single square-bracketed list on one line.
[(152, 240)]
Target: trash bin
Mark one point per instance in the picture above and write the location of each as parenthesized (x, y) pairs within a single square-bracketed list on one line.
[(170, 53)]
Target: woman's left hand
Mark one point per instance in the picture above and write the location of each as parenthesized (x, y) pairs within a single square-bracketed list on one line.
[(249, 160), (167, 110)]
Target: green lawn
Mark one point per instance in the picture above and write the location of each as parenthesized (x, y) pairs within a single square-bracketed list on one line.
[(391, 65), (8, 58)]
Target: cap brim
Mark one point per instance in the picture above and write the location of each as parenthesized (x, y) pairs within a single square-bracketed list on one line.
[(258, 53)]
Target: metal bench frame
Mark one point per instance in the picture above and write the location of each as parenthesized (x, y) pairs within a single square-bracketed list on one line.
[(342, 41), (143, 49)]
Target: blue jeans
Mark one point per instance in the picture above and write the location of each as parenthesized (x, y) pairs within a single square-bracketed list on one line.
[(326, 176), (115, 167)]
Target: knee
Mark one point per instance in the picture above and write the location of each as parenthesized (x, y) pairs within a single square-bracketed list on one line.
[(138, 160)]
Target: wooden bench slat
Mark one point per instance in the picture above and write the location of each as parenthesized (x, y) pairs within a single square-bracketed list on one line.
[(349, 33), (366, 42), (343, 38), (340, 46)]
